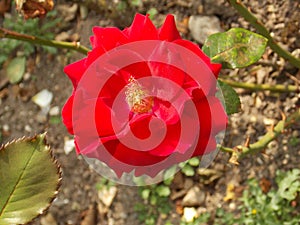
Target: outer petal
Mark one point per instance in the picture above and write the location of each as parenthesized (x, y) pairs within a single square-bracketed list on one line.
[(132, 157), (205, 122), (94, 54), (205, 147), (75, 71), (67, 114), (167, 71), (168, 31), (215, 67), (107, 38), (142, 28), (213, 119), (219, 119)]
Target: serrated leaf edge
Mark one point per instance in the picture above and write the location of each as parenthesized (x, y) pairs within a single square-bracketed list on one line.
[(225, 63), (54, 161)]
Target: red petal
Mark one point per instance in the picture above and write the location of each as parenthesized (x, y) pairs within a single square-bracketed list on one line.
[(75, 71), (168, 79), (170, 141), (205, 147), (219, 120), (182, 135), (107, 38), (168, 31), (112, 88), (165, 111), (94, 54), (141, 28), (212, 120), (195, 48), (205, 122), (168, 71), (94, 113), (133, 157), (137, 70), (67, 114), (139, 126), (103, 119)]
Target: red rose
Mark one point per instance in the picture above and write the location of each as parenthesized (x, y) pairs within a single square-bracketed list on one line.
[(143, 99)]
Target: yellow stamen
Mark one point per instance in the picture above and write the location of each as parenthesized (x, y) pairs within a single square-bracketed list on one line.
[(137, 98)]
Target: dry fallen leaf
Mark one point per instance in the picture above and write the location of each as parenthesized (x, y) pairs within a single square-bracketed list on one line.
[(182, 26), (230, 195), (48, 219), (209, 175), (179, 207), (90, 217), (265, 185), (34, 8), (4, 6), (107, 195)]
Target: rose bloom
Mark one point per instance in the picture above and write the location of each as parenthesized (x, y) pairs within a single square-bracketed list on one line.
[(179, 115)]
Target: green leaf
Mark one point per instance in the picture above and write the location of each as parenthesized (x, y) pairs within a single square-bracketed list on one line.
[(169, 175), (195, 161), (15, 69), (163, 191), (136, 2), (122, 6), (236, 48), (289, 185), (153, 200), (145, 194), (55, 120), (188, 170), (152, 13), (29, 177), (170, 172), (231, 98), (139, 181)]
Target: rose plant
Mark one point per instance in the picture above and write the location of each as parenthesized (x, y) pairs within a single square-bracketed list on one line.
[(158, 95)]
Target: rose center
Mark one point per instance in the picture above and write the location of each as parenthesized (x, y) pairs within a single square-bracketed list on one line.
[(137, 98)]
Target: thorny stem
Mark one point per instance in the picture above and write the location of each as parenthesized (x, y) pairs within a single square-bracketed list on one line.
[(241, 151), (262, 87), (244, 12), (4, 33)]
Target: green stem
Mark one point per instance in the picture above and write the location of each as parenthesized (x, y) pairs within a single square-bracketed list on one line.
[(4, 33), (243, 11), (225, 149), (262, 87), (241, 151)]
